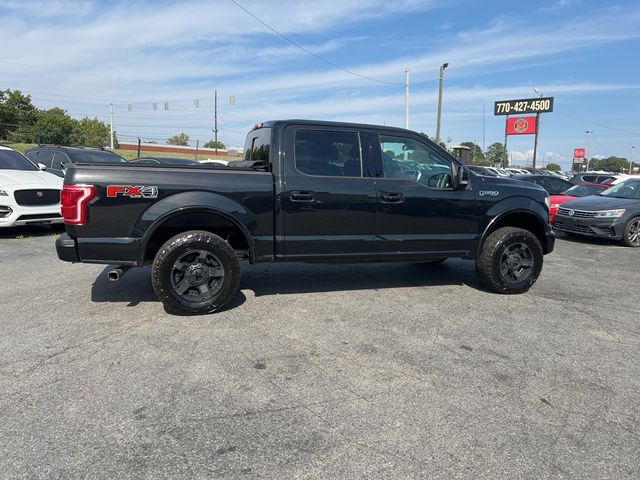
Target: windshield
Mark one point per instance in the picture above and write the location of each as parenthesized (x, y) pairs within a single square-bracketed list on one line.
[(12, 160), (583, 190), (95, 156), (626, 189)]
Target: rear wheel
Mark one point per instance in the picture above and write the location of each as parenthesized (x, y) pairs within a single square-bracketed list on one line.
[(195, 272), (510, 260), (631, 237)]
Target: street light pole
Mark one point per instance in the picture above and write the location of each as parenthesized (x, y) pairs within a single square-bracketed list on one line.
[(589, 133), (111, 125), (442, 68), (633, 147)]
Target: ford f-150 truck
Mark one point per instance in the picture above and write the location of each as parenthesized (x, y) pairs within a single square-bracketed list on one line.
[(306, 191)]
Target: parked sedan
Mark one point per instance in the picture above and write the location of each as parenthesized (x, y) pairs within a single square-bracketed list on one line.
[(552, 184), (58, 158), (577, 191), (613, 213), (27, 194), (164, 161)]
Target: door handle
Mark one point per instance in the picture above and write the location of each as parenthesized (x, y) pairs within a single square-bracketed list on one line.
[(391, 197), (298, 196)]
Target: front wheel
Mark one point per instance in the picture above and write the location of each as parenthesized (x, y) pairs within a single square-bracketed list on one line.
[(195, 272), (510, 260), (631, 237)]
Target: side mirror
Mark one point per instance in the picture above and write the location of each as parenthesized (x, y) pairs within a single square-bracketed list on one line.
[(458, 178), (42, 166)]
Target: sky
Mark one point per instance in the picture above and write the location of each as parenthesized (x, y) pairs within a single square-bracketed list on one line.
[(340, 60)]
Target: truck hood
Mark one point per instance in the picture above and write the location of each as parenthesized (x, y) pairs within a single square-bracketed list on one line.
[(20, 178), (597, 202), (510, 182)]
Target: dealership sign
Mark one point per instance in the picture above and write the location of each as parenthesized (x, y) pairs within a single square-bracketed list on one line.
[(578, 152), (521, 125), (522, 106)]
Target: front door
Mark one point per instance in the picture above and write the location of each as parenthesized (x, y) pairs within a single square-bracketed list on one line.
[(329, 201), (418, 212)]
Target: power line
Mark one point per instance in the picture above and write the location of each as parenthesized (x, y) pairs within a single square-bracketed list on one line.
[(322, 59)]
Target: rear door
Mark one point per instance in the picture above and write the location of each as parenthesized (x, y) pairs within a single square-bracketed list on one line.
[(329, 197), (418, 212)]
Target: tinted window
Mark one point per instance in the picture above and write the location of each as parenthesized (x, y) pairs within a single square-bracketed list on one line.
[(407, 158), (537, 180), (44, 157), (257, 145), (59, 160), (557, 185), (321, 152), (95, 156), (12, 160)]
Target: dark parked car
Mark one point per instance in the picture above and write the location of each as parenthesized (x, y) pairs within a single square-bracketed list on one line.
[(165, 161), (307, 191), (592, 178), (58, 158), (614, 213), (552, 184)]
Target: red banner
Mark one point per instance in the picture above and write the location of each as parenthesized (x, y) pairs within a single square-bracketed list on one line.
[(521, 125), (578, 153)]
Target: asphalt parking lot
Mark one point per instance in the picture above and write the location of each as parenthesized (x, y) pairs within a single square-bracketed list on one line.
[(316, 371)]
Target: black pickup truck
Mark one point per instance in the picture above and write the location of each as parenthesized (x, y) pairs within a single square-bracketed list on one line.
[(306, 191)]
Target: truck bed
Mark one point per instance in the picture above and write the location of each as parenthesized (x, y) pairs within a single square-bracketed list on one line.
[(246, 194)]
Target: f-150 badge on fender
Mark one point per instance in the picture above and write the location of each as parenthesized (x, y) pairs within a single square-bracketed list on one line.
[(132, 191), (488, 193)]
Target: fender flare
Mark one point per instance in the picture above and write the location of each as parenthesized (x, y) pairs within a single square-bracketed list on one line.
[(194, 202), (510, 206)]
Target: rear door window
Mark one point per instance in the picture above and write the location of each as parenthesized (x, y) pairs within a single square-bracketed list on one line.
[(328, 153)]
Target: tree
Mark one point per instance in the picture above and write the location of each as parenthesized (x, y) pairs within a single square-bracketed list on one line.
[(91, 132), (214, 144), (478, 156), (495, 153), (16, 111), (181, 139), (55, 126), (554, 167)]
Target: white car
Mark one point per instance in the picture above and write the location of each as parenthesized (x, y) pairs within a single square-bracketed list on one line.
[(28, 195)]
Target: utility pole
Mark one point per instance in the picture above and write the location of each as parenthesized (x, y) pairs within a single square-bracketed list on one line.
[(483, 127), (440, 87), (589, 133), (633, 147), (215, 119), (111, 124), (406, 98), (535, 140)]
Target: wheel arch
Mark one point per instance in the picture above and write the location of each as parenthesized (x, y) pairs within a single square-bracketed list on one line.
[(195, 218), (525, 218)]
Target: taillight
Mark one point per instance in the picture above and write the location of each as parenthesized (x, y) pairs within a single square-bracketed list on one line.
[(73, 202)]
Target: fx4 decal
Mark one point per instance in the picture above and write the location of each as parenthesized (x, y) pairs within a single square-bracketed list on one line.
[(132, 191)]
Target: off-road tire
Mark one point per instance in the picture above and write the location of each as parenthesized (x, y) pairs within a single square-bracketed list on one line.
[(210, 253), (500, 255), (630, 237)]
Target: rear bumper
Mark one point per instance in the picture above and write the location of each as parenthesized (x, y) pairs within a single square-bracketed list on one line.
[(66, 249), (120, 251)]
